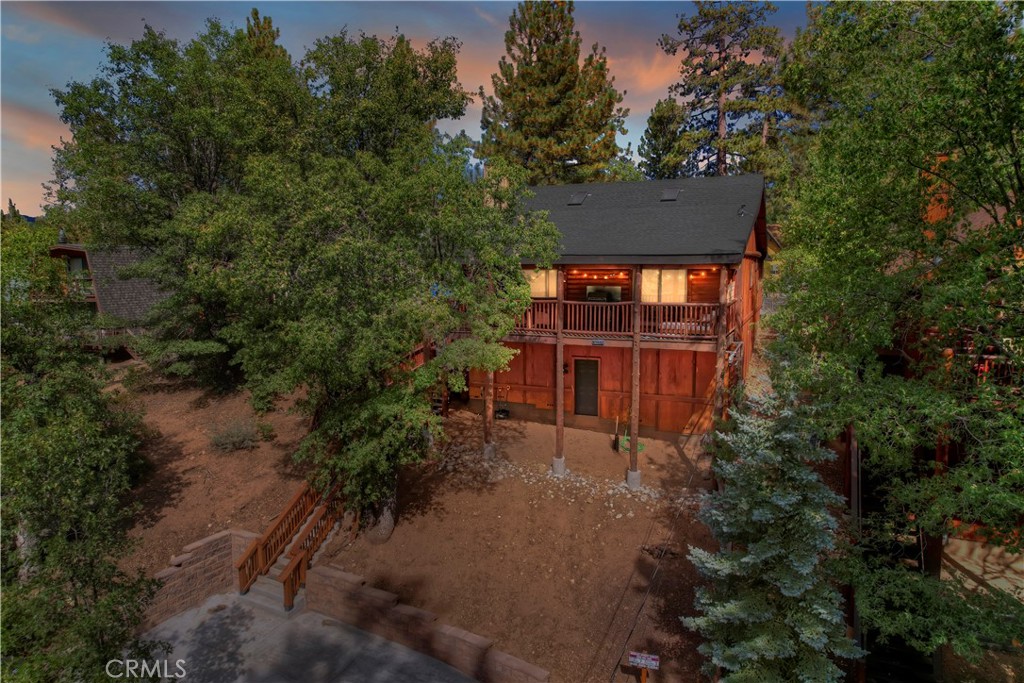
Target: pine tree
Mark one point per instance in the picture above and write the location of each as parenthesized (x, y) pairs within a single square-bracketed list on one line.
[(262, 34), (771, 612), (727, 91), (658, 146), (550, 115)]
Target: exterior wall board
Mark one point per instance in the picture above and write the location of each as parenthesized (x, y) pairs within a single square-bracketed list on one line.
[(673, 383)]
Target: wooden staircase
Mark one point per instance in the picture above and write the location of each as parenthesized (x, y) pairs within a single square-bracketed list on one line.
[(272, 571)]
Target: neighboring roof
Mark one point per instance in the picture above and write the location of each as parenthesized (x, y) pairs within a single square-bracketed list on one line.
[(709, 221), (126, 299)]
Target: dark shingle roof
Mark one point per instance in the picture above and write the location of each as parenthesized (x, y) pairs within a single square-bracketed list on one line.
[(709, 221), (128, 300)]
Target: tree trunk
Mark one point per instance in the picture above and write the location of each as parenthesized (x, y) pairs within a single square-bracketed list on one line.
[(722, 323), (489, 414), (722, 129), (634, 392), (558, 464)]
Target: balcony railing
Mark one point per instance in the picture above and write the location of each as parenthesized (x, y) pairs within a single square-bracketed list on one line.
[(615, 320)]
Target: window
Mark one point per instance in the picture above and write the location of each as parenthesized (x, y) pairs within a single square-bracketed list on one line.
[(543, 282), (664, 285)]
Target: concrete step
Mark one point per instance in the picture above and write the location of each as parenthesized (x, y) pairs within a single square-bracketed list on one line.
[(268, 587), (262, 601), (327, 541), (278, 567), (273, 606), (268, 594)]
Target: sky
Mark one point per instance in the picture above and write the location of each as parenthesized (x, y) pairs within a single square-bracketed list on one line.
[(47, 45)]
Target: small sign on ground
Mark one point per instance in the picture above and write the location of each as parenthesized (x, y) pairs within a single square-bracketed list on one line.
[(642, 660)]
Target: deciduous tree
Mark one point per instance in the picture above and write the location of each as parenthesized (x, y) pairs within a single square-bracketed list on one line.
[(904, 279), (323, 259), (166, 126), (69, 458)]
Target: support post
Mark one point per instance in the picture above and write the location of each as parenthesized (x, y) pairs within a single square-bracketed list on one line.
[(722, 328), (489, 448), (860, 669), (558, 462), (633, 474)]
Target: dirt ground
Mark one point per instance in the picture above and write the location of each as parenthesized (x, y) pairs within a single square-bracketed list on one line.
[(569, 574), (193, 489)]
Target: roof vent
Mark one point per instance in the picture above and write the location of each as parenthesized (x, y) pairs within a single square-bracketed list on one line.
[(670, 195), (742, 210), (578, 198)]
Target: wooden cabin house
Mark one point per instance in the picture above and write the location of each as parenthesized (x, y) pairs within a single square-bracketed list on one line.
[(650, 309)]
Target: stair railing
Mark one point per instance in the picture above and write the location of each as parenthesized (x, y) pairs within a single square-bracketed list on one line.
[(307, 543), (263, 552)]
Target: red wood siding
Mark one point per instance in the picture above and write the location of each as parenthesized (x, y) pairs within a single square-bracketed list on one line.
[(576, 284), (702, 289), (673, 383)]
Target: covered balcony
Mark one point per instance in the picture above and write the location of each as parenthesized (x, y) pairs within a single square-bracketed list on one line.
[(597, 303)]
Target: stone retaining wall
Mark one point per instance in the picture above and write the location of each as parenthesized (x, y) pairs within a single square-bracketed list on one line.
[(346, 597), (205, 568)]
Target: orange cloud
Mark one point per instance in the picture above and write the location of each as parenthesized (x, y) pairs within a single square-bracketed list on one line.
[(31, 128), (27, 195), (646, 76)]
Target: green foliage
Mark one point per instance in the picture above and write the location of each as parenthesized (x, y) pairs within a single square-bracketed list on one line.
[(343, 276), (550, 114), (266, 431), (311, 227), (371, 95), (727, 87), (238, 435), (158, 139), (622, 168), (771, 612), (903, 248), (926, 613), (660, 142), (69, 460)]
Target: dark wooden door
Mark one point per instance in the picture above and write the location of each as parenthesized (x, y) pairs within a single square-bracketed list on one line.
[(586, 386)]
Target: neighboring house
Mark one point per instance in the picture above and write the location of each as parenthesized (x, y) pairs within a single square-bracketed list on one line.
[(654, 300), (96, 275)]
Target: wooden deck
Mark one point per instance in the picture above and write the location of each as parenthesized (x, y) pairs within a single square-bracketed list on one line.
[(592, 319)]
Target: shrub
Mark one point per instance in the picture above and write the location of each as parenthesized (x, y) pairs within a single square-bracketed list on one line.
[(238, 435), (266, 431)]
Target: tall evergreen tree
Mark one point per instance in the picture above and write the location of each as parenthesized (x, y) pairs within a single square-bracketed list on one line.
[(550, 115), (771, 612), (726, 77), (659, 146)]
